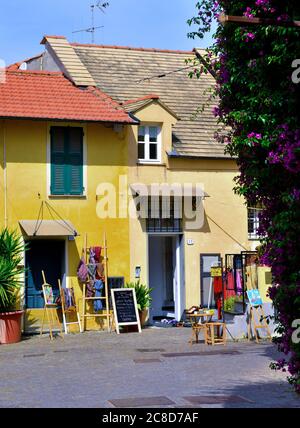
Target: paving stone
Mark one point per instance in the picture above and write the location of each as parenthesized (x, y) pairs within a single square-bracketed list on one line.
[(87, 370), (201, 354), (33, 355), (148, 360), (142, 402), (215, 399)]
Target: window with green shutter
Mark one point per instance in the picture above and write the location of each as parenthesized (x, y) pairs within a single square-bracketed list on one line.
[(66, 160)]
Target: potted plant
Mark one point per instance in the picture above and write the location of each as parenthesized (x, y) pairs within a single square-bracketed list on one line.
[(143, 298), (11, 254)]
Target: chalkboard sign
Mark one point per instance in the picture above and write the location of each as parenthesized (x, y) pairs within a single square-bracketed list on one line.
[(125, 308)]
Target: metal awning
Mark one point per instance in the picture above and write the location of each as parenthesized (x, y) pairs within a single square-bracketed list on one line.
[(48, 228), (165, 189)]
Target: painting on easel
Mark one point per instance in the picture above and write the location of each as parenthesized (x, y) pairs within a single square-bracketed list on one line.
[(254, 297)]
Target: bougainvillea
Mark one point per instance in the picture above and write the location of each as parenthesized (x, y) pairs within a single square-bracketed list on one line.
[(260, 104)]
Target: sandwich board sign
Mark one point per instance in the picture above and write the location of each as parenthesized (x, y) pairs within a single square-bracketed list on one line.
[(125, 308)]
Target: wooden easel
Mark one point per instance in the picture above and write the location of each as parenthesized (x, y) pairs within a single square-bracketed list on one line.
[(106, 312), (257, 312), (49, 310)]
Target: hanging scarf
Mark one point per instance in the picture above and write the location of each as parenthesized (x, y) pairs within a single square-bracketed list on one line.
[(98, 293)]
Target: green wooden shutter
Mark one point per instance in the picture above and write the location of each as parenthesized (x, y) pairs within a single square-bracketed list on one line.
[(58, 173), (66, 161), (75, 161)]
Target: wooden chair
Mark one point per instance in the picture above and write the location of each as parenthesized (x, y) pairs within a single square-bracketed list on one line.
[(196, 329), (50, 309), (216, 333), (69, 309)]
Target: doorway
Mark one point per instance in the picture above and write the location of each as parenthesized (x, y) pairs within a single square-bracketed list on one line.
[(47, 255), (166, 277), (206, 284)]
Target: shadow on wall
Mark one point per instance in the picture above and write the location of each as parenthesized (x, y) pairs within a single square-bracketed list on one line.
[(203, 229), (26, 143), (227, 233)]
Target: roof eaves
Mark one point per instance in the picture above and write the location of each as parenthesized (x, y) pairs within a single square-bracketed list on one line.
[(175, 154), (70, 119), (148, 99)]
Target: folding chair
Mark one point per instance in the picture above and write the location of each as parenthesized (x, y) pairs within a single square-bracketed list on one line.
[(68, 305), (50, 308)]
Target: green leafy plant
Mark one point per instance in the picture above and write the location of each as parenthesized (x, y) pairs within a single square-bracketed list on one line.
[(143, 294), (229, 304), (11, 254), (238, 299)]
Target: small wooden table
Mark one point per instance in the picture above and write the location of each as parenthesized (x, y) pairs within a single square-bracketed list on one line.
[(198, 321)]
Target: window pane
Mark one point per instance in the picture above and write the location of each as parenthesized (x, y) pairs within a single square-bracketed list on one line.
[(141, 151), (153, 151), (156, 221), (253, 222), (141, 136), (153, 133)]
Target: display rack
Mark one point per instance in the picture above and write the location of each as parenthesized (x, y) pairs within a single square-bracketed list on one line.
[(106, 312)]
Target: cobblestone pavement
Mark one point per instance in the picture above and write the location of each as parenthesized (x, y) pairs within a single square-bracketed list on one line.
[(93, 369)]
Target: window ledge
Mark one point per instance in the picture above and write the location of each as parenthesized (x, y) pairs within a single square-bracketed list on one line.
[(67, 196), (145, 163)]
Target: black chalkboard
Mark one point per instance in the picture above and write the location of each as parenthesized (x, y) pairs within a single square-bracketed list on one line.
[(125, 307)]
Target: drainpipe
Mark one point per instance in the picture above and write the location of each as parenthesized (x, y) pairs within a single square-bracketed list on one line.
[(5, 174)]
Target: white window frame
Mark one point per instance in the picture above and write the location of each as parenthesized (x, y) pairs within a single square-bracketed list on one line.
[(255, 211), (147, 143)]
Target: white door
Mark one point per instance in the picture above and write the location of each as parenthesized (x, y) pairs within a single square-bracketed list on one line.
[(179, 278)]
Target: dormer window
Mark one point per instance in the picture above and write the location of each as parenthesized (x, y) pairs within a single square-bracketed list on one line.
[(149, 144)]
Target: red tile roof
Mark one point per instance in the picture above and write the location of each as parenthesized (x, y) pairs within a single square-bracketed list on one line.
[(50, 95)]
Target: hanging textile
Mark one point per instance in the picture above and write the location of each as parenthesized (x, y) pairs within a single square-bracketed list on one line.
[(82, 271), (218, 284), (239, 282), (229, 289), (69, 298), (98, 306)]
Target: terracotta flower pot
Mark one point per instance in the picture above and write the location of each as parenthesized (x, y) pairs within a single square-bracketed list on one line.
[(143, 316), (10, 327)]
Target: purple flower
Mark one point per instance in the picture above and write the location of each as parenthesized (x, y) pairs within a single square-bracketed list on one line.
[(248, 13), (216, 111), (250, 36)]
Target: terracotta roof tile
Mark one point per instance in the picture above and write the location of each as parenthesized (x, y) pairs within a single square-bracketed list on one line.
[(50, 95)]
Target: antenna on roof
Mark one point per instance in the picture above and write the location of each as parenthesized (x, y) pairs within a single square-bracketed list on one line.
[(101, 6)]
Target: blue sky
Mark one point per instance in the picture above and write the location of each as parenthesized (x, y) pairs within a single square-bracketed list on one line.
[(146, 23)]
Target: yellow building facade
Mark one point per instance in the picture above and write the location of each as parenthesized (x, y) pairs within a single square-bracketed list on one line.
[(172, 256)]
